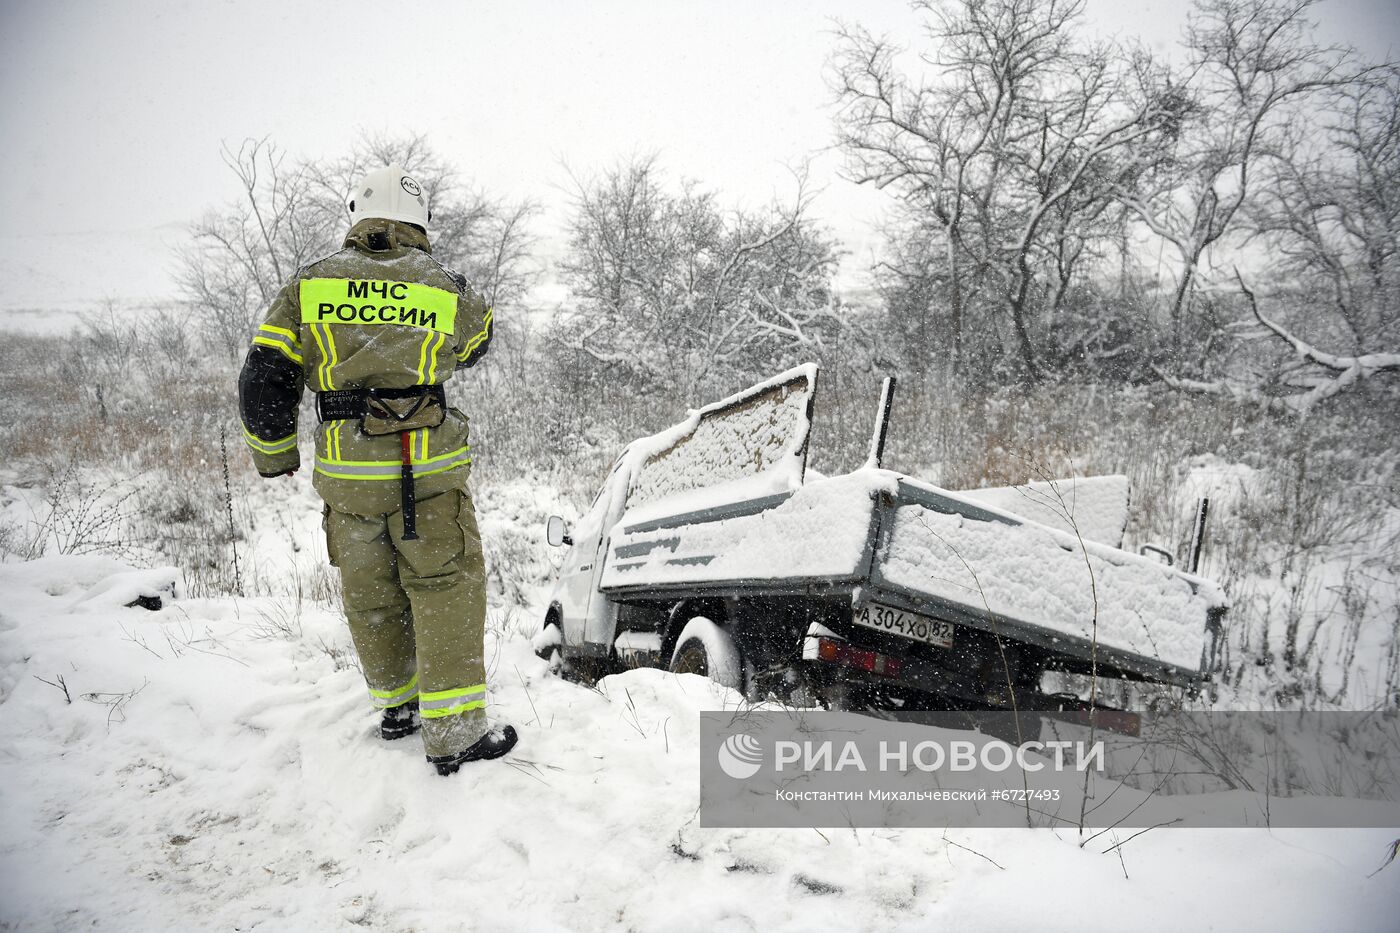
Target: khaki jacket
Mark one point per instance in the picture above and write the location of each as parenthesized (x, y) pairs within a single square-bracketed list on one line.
[(379, 313)]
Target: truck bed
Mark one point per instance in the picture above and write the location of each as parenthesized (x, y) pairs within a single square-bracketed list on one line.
[(888, 538)]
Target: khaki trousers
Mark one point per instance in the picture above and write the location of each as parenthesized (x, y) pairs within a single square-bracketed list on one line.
[(417, 611)]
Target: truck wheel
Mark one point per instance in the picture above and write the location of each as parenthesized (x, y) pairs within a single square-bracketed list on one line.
[(706, 649), (548, 643), (580, 669)]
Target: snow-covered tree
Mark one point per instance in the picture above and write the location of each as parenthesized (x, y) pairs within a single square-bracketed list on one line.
[(668, 288), (1004, 152), (1329, 217), (1253, 70)]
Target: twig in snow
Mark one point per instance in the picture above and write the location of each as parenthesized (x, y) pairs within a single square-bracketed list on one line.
[(1118, 848), (1150, 794), (523, 769), (115, 702), (228, 508), (636, 718), (67, 698), (973, 851), (1119, 845), (185, 638), (139, 642), (1120, 785), (682, 853), (530, 762), (526, 688), (1394, 850)]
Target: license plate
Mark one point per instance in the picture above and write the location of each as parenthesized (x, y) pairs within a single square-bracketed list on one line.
[(908, 624)]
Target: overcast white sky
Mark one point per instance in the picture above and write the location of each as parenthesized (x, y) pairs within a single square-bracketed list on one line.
[(112, 114)]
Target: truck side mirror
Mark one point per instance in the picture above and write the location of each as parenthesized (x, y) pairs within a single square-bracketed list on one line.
[(556, 532)]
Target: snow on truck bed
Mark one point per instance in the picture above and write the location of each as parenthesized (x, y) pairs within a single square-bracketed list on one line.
[(997, 562), (1035, 574), (1094, 506), (821, 530)]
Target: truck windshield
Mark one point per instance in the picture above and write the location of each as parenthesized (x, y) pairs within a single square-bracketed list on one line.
[(607, 481)]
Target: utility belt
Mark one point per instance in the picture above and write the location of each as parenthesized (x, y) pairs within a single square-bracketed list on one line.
[(390, 411), (385, 411)]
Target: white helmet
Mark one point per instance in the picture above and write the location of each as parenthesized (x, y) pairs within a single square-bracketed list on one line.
[(391, 193)]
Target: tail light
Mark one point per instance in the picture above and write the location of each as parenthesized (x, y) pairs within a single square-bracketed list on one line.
[(1111, 720), (872, 662)]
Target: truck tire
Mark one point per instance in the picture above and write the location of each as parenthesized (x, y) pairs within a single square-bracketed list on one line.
[(549, 641), (548, 644), (706, 649)]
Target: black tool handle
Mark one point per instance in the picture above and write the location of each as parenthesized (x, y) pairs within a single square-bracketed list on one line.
[(410, 514)]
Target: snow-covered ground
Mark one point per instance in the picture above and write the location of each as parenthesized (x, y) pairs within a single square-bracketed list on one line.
[(218, 768)]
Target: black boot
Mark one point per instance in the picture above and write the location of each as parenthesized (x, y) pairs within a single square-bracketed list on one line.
[(493, 744), (399, 721)]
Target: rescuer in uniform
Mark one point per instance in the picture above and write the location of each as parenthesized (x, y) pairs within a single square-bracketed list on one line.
[(375, 330)]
